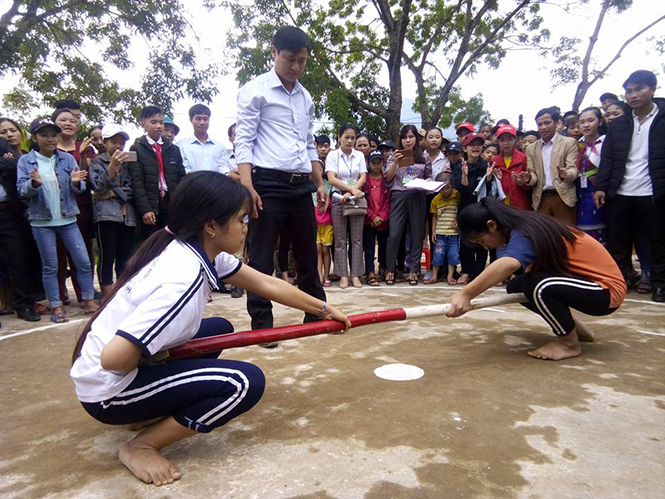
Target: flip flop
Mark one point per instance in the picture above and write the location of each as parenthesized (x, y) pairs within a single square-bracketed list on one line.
[(327, 283), (59, 318)]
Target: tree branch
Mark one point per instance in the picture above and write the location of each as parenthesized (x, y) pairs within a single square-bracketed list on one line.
[(355, 99), (7, 17), (31, 19), (625, 44), (593, 39)]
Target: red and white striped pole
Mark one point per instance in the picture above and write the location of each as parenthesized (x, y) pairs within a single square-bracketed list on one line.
[(246, 338)]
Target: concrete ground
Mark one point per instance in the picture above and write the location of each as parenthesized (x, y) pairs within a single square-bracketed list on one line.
[(485, 420)]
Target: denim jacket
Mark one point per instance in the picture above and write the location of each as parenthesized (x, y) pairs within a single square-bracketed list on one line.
[(116, 209), (39, 209)]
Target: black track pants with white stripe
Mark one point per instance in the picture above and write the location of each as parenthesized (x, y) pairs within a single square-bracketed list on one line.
[(200, 393), (552, 296)]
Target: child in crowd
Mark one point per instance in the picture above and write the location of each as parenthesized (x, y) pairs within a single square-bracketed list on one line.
[(377, 193), (156, 172), (464, 129), (96, 141), (573, 128), (159, 303), (466, 180), (590, 218), (324, 227), (444, 229), (387, 148), (529, 137), (512, 165), (486, 132), (489, 151), (171, 130), (113, 210), (51, 178)]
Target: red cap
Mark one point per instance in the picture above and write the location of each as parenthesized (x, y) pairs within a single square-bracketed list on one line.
[(471, 137), (506, 129), (466, 125)]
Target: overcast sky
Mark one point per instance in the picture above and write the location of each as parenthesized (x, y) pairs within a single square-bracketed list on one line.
[(522, 84)]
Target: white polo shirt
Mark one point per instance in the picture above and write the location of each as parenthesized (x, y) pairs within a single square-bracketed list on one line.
[(161, 307), (347, 168), (637, 181)]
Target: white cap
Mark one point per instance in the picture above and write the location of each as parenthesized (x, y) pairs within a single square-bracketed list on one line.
[(112, 130)]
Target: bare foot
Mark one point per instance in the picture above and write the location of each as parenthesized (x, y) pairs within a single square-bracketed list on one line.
[(463, 279), (583, 332), (148, 464), (557, 350)]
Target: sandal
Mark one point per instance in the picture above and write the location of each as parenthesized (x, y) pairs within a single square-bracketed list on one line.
[(372, 280), (327, 283), (644, 287), (413, 279), (429, 280), (42, 309), (59, 318), (390, 278)]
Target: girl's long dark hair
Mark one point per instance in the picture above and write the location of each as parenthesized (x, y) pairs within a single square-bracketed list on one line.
[(199, 198), (547, 233), (417, 153)]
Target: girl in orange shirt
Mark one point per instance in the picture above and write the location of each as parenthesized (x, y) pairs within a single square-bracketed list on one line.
[(563, 268)]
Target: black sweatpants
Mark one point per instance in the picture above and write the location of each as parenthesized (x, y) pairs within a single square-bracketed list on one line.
[(200, 393), (162, 218), (552, 296), (115, 241), (284, 205), (406, 208)]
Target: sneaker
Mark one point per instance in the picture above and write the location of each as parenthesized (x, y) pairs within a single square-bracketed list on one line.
[(237, 292), (28, 314)]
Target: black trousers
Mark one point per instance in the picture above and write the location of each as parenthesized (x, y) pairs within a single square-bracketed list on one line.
[(284, 205), (406, 208), (552, 296), (115, 241), (630, 218), (15, 253), (370, 237), (162, 219), (472, 257)]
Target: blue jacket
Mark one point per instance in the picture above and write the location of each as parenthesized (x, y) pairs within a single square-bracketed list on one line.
[(38, 209)]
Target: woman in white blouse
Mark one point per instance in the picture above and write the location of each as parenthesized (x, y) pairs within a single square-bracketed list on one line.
[(347, 170)]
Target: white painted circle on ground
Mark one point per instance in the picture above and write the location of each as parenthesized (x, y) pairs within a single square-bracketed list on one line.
[(399, 372)]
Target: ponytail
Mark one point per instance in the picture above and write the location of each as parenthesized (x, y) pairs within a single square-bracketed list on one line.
[(200, 198), (147, 252), (548, 234)]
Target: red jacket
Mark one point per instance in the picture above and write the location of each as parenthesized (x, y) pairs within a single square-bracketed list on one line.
[(380, 209), (517, 196)]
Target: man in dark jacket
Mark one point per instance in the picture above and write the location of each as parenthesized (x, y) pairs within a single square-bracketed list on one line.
[(14, 250), (156, 172), (631, 178)]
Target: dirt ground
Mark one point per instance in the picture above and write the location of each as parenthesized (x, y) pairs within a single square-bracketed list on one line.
[(485, 420)]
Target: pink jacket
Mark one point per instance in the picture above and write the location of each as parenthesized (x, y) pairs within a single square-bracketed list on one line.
[(380, 209)]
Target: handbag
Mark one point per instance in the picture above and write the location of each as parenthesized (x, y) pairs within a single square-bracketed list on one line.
[(359, 207)]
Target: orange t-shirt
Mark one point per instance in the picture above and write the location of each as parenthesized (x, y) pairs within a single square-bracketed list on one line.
[(588, 258)]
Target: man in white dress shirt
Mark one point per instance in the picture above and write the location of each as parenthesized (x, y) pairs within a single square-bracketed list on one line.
[(200, 151), (278, 163)]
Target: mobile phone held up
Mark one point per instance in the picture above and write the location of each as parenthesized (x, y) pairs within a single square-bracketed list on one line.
[(407, 157), (131, 156)]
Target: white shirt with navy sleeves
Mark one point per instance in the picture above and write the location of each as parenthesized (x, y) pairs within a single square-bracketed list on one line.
[(275, 127), (159, 308)]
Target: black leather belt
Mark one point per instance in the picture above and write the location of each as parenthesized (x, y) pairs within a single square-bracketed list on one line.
[(289, 178), (550, 192)]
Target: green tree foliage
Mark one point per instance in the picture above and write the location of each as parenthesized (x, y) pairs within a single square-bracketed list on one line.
[(362, 48), (571, 66), (46, 42)]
